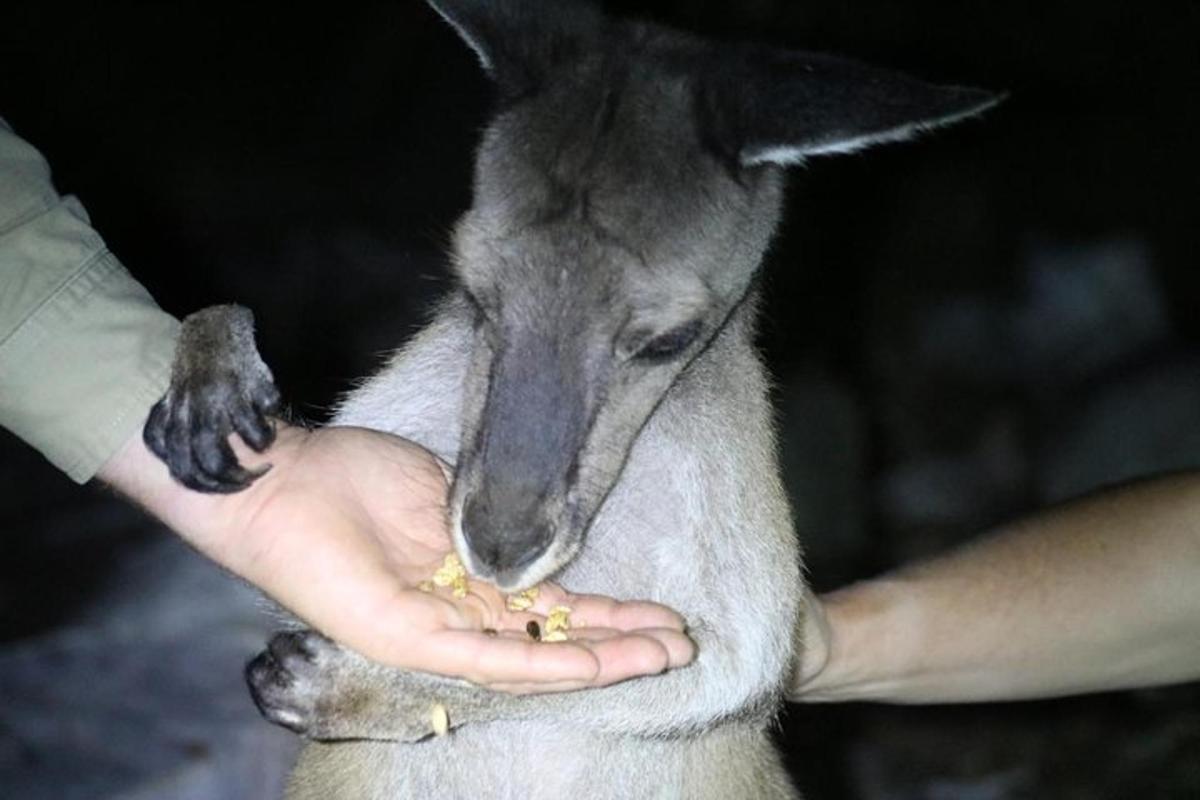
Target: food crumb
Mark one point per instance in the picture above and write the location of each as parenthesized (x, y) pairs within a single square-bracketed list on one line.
[(558, 622), (440, 719), (559, 619), (523, 601), (453, 575)]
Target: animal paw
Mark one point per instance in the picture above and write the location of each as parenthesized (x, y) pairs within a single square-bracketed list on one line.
[(286, 679), (219, 385), (309, 684)]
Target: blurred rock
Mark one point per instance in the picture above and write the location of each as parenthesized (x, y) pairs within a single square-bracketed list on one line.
[(1104, 747), (930, 501), (976, 385), (1087, 308), (967, 336), (142, 697), (1136, 423), (906, 756)]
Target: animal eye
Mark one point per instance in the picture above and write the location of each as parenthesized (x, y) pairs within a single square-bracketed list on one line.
[(667, 346)]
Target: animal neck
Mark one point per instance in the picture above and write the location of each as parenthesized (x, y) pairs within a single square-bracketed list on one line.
[(719, 412), (701, 482)]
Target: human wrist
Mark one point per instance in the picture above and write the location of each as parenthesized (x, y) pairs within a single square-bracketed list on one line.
[(869, 641), (210, 522)]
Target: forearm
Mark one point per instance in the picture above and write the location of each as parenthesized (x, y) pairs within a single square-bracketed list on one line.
[(220, 525), (1103, 593), (210, 522), (84, 351), (228, 528)]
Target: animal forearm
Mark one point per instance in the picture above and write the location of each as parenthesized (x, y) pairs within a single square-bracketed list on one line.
[(1103, 593), (308, 683), (714, 688)]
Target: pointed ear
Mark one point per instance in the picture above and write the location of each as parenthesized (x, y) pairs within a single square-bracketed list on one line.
[(518, 42), (763, 106)]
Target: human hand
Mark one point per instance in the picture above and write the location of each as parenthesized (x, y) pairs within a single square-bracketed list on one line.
[(814, 647), (344, 528)]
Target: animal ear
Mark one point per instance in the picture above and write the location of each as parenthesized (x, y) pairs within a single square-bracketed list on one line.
[(519, 42), (767, 106)]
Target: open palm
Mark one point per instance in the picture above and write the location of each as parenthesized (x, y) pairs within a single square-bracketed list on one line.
[(347, 525)]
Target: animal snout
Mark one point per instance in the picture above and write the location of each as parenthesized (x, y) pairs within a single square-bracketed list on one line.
[(504, 543)]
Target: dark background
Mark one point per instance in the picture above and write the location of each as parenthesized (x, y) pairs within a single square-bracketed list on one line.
[(964, 328)]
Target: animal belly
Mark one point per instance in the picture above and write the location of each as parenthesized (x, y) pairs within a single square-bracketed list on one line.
[(533, 761)]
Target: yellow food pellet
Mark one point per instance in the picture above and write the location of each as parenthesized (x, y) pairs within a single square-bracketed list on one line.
[(440, 719), (559, 619), (452, 574), (522, 601), (450, 571), (554, 636), (425, 586), (516, 602)]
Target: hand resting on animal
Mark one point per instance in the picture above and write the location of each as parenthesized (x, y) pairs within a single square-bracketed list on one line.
[(341, 530), (1099, 594)]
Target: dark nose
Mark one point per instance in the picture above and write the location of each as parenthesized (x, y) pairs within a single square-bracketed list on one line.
[(503, 542)]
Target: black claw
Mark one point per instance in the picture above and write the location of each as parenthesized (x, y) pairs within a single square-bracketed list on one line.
[(199, 482), (211, 451), (178, 453), (191, 436), (267, 400), (266, 679), (273, 676), (290, 644), (219, 385), (254, 428), (263, 671), (154, 434)]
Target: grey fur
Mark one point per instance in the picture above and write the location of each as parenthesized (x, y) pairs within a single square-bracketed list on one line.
[(219, 385), (595, 382), (702, 527)]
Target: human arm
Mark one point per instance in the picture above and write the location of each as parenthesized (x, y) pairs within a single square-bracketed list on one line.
[(84, 350), (1099, 594), (342, 530), (84, 354)]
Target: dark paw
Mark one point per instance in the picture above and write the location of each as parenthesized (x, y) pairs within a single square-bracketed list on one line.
[(286, 679), (219, 386)]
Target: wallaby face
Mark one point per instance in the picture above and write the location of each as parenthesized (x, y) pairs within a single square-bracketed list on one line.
[(624, 195), (605, 248)]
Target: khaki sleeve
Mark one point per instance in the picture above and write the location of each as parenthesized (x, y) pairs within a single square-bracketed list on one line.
[(84, 350)]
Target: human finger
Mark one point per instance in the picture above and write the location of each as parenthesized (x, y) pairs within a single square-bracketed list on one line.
[(484, 659), (621, 656), (607, 612)]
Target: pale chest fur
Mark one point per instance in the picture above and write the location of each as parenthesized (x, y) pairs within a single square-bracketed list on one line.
[(697, 520)]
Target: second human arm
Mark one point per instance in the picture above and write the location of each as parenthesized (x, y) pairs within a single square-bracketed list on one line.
[(1102, 593)]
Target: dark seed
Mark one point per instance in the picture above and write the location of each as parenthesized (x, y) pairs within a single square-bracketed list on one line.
[(534, 630), (489, 632)]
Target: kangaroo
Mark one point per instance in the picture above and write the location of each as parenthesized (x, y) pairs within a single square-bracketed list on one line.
[(594, 381)]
